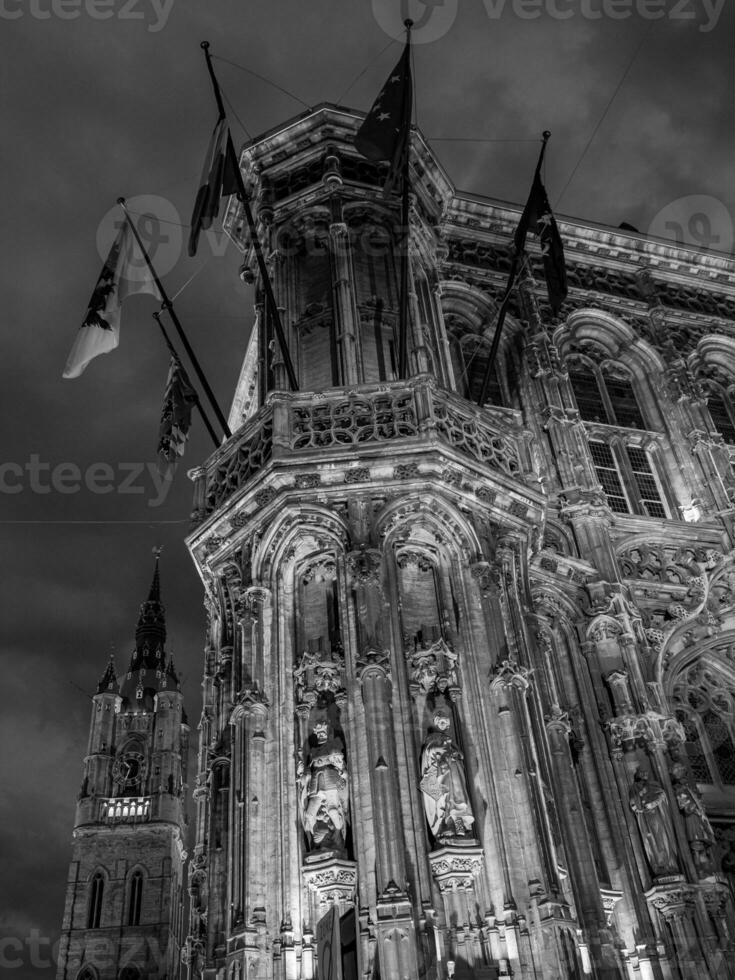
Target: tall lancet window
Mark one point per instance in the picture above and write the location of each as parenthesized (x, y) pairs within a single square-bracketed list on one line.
[(376, 293), (420, 607), (318, 621), (96, 894), (314, 312)]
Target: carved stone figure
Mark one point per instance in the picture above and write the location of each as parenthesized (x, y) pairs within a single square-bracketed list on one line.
[(443, 783), (699, 831), (648, 802), (324, 798)]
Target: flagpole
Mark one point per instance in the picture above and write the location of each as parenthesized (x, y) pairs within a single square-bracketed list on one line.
[(254, 237), (168, 306), (505, 302), (172, 351), (406, 229)]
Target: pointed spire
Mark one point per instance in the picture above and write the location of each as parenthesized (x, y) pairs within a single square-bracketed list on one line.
[(151, 628), (108, 681)]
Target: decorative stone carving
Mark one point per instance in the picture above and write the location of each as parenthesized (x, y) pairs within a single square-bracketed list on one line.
[(456, 866), (333, 880), (648, 802), (508, 673), (359, 474), (433, 668), (364, 566), (487, 577), (372, 661), (443, 782), (324, 796), (698, 829), (647, 730), (317, 674)]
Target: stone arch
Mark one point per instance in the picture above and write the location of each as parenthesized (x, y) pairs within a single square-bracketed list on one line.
[(713, 365), (700, 688), (469, 318), (306, 520)]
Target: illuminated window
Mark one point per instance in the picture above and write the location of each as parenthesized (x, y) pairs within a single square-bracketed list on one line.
[(135, 900), (628, 478), (94, 912)]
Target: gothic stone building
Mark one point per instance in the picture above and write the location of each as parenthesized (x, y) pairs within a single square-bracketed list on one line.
[(469, 682), (124, 913)]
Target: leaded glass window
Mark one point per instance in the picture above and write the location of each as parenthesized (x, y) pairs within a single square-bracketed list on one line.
[(722, 417), (705, 705), (627, 477)]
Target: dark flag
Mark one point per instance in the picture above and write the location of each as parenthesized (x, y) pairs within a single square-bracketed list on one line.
[(537, 214), (178, 402), (386, 131), (218, 179)]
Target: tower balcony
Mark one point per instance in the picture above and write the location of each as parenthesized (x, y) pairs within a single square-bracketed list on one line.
[(336, 430), (125, 809)]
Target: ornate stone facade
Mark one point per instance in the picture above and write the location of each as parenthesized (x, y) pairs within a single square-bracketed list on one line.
[(470, 672)]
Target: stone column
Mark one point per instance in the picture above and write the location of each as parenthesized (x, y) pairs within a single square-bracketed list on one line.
[(344, 296), (397, 948)]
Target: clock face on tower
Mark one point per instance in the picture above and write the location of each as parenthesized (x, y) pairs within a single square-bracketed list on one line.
[(128, 772)]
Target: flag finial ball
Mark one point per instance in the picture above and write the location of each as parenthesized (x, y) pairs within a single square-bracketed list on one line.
[(204, 45), (547, 134), (408, 23), (121, 200)]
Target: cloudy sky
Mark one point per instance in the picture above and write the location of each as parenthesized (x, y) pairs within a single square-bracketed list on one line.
[(104, 98)]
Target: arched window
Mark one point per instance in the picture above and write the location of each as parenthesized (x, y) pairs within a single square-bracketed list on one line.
[(705, 706), (135, 899), (96, 892), (604, 393), (130, 973), (722, 411), (628, 477), (470, 353)]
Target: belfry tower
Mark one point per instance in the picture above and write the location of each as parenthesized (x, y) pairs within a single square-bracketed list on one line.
[(468, 705), (124, 910)]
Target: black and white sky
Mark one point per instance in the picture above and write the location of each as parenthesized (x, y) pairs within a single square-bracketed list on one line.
[(103, 98)]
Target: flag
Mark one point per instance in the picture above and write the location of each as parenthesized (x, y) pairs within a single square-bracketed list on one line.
[(218, 179), (178, 400), (537, 213), (125, 273), (386, 130)]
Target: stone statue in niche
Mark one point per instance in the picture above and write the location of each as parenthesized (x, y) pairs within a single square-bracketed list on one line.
[(698, 829), (648, 801), (443, 782), (324, 791)]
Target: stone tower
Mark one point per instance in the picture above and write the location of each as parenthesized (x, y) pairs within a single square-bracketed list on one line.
[(469, 694), (123, 918)]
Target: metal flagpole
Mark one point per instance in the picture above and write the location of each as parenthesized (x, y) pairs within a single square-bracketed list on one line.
[(172, 350), (166, 303), (258, 248), (515, 263), (405, 227)]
